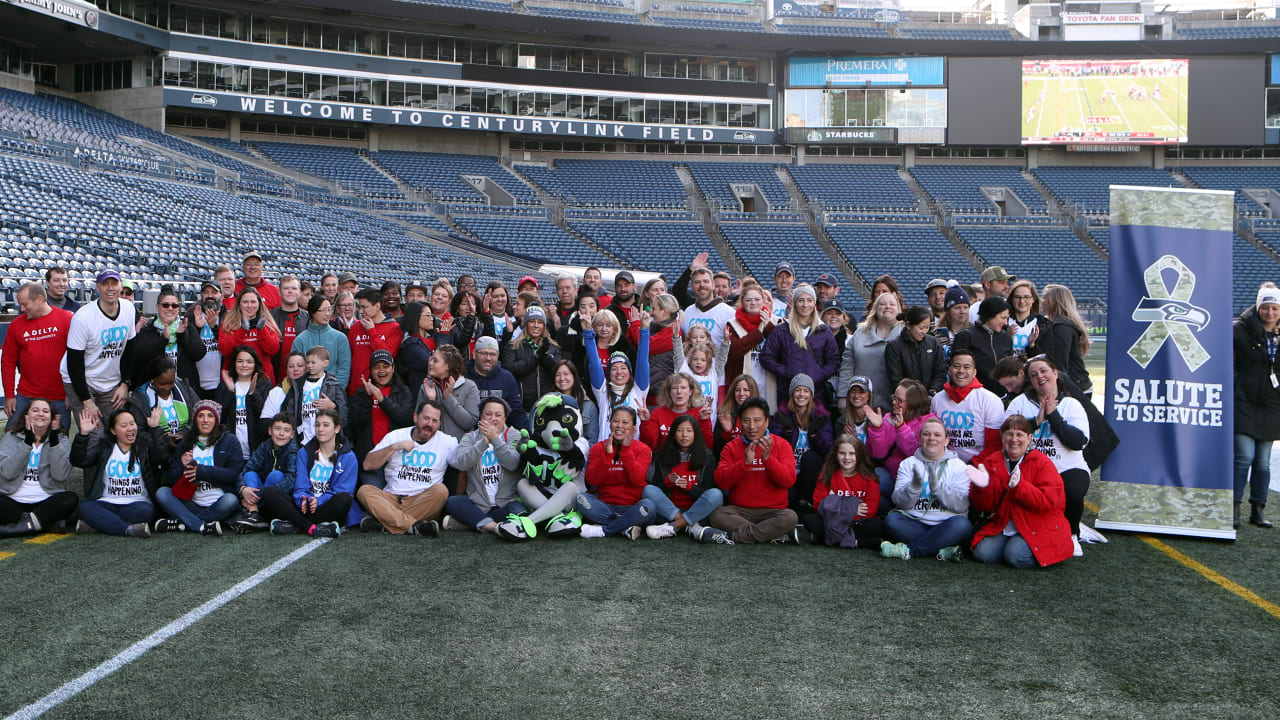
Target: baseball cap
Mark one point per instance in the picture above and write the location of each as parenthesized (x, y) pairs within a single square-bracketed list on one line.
[(528, 279), (995, 272), (210, 284), (832, 304), (861, 381), (826, 279), (383, 356), (415, 285), (252, 254), (782, 267), (624, 276), (348, 277), (936, 282), (109, 274)]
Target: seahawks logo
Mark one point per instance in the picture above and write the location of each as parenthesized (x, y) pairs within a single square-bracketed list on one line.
[(1154, 309)]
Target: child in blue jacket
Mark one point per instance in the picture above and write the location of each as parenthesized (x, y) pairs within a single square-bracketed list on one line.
[(273, 464), (324, 483)]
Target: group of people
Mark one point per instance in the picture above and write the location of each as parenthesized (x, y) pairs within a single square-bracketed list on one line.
[(712, 407)]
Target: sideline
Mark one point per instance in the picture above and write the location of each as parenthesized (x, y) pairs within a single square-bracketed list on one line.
[(135, 651)]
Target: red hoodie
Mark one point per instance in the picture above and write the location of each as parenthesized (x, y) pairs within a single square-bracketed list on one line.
[(618, 478), (860, 486), (762, 484), (263, 340), (385, 335), (654, 431)]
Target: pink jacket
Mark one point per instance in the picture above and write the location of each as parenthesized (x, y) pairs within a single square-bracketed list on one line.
[(895, 444)]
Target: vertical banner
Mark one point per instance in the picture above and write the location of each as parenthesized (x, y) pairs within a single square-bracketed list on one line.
[(1169, 363)]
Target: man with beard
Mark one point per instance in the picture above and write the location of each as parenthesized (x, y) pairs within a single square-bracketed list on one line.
[(625, 301)]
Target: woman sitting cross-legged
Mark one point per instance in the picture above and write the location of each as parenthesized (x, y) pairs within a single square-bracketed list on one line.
[(1025, 495), (128, 462), (35, 465), (617, 473), (203, 474), (682, 484), (930, 499)]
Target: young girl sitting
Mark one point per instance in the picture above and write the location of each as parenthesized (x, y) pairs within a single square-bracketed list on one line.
[(681, 485), (847, 498)]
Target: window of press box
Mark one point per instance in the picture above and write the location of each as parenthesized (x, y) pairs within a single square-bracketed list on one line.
[(1273, 107), (695, 67), (877, 107)]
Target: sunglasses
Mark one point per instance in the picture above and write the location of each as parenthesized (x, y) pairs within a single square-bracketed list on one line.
[(170, 306)]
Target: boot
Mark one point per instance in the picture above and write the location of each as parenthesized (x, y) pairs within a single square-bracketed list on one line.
[(1256, 517), (1235, 517), (28, 525)]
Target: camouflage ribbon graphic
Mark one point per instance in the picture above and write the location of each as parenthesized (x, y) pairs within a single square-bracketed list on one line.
[(1170, 314)]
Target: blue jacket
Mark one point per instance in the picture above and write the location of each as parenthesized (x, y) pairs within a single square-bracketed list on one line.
[(345, 473), (500, 383), (267, 457), (228, 462), (336, 343)]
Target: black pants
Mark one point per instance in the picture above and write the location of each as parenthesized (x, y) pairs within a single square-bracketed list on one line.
[(800, 495), (1076, 484), (276, 503), (869, 530), (57, 506)]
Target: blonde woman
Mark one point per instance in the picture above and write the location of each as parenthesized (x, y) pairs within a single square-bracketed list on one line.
[(1066, 340), (864, 354), (804, 346)]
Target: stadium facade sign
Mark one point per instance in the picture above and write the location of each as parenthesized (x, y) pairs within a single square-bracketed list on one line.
[(483, 122), (852, 71), (1075, 18), (72, 11), (841, 135), (1103, 148)]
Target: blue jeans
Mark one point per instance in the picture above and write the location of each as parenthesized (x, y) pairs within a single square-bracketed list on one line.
[(114, 519), (614, 518), (709, 500), (467, 512), (924, 540), (886, 491), (192, 515), (59, 408), (256, 481), (1256, 455), (1012, 549)]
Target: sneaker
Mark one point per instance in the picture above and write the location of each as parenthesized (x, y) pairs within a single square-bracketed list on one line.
[(33, 522), (705, 534), (591, 531), (282, 527), (247, 522), (370, 524), (798, 535), (167, 525), (950, 554), (1076, 550), (565, 525), (1091, 536), (426, 528), (140, 530), (84, 528), (635, 532), (326, 530), (449, 522), (895, 550), (518, 528), (212, 529), (657, 532)]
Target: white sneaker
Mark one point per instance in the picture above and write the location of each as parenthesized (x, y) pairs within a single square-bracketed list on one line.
[(1076, 550), (1090, 536), (591, 531), (657, 532), (450, 522)]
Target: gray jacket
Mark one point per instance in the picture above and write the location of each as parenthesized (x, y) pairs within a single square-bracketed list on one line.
[(467, 458), (461, 407), (864, 355), (55, 463)]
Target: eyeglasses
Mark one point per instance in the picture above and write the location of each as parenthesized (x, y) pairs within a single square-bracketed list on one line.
[(170, 306), (1021, 297)]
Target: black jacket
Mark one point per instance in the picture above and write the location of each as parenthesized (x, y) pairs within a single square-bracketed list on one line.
[(253, 406), (329, 387), (414, 356), (987, 348), (92, 451), (149, 344), (1060, 340), (1257, 402), (924, 361), (534, 367), (398, 406)]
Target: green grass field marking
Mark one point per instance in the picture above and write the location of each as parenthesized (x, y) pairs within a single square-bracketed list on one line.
[(46, 538), (1214, 577)]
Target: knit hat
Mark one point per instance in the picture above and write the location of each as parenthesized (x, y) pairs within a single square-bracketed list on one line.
[(800, 381), (533, 312), (209, 405), (619, 357), (486, 342), (992, 307), (955, 296), (1268, 295), (804, 289)]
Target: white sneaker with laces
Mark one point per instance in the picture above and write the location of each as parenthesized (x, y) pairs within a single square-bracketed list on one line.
[(657, 532), (1076, 550), (591, 531), (1090, 536)]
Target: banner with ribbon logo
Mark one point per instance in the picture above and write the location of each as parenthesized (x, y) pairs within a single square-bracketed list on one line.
[(1169, 362)]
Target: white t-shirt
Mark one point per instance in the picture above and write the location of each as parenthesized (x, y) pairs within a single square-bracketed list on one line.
[(714, 319), (709, 384), (779, 309), (409, 472), (1045, 441), (209, 367), (635, 400), (242, 416), (30, 491), (490, 474), (206, 494), (271, 406), (1022, 336), (122, 485), (321, 476), (102, 339), (310, 393), (968, 421)]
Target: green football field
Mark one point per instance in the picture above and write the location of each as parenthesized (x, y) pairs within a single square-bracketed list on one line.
[(1078, 104)]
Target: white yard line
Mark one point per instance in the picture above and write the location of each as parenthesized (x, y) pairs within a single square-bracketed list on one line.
[(138, 649)]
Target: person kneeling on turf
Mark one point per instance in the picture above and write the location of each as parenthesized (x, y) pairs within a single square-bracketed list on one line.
[(931, 500), (413, 460), (755, 472), (617, 474), (1025, 495), (489, 457), (273, 464), (207, 464), (681, 485), (325, 478)]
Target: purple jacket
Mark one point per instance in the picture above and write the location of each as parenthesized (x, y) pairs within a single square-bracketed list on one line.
[(782, 357)]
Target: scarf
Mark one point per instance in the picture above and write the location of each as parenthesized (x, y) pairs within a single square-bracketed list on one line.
[(958, 395), (748, 321)]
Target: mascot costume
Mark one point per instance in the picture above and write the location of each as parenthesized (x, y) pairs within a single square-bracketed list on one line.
[(552, 461)]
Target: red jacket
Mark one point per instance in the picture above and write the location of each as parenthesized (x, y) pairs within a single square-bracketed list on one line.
[(653, 432), (762, 484), (860, 486), (264, 341), (36, 348), (620, 478), (385, 335), (270, 293), (1035, 505)]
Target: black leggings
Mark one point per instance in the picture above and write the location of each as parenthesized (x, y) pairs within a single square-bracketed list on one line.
[(276, 503), (869, 530), (57, 506), (1076, 484), (800, 495)]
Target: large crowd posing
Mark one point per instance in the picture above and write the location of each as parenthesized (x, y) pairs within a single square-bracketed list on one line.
[(714, 407)]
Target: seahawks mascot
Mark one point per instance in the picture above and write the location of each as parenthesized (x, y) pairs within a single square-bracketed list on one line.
[(552, 461)]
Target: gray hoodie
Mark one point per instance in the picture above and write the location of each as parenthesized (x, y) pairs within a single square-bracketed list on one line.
[(55, 463), (469, 458), (932, 490), (461, 407)]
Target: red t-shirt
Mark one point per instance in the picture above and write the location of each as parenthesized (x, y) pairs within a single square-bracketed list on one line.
[(35, 347), (270, 293), (862, 487), (678, 482)]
